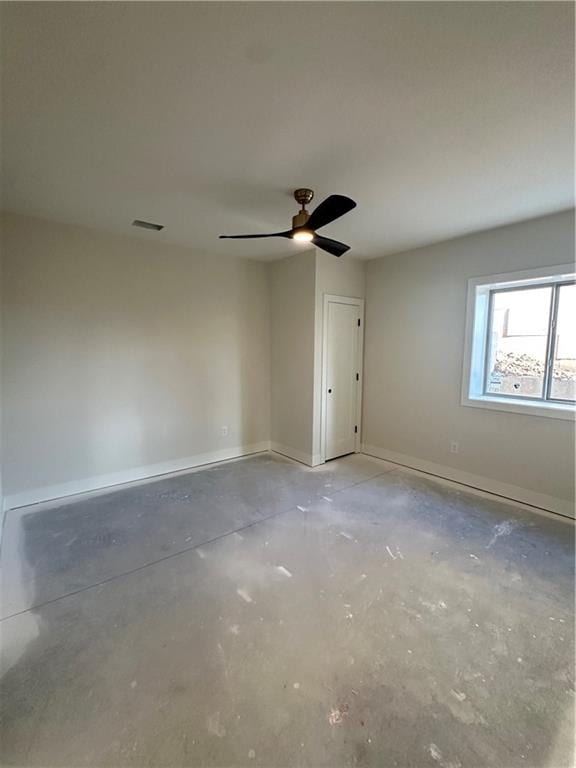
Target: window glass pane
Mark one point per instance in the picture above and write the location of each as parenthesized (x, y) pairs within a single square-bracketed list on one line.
[(563, 382), (517, 343)]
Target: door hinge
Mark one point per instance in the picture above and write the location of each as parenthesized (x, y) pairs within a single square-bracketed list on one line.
[(358, 322), (355, 430), (357, 377)]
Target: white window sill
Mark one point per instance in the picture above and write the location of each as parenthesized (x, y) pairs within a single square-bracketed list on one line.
[(528, 408)]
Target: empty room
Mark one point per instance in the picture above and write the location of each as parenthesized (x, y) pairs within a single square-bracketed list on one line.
[(288, 384)]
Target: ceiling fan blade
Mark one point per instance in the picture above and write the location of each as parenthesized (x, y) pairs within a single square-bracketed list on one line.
[(329, 210), (244, 237), (331, 246)]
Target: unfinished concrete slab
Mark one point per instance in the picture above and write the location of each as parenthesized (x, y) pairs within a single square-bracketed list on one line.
[(263, 613), (89, 540)]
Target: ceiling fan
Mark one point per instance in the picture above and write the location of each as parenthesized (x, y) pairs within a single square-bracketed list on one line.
[(304, 224)]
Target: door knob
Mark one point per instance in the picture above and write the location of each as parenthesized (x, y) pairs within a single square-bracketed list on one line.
[(329, 391)]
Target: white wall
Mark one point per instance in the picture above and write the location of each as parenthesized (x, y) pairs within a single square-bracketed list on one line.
[(124, 358), (292, 290), (1, 410), (298, 286), (416, 304)]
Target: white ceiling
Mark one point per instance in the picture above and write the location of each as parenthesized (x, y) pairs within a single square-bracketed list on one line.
[(438, 118)]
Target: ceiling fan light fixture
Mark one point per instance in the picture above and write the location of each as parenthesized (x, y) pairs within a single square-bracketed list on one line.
[(303, 236)]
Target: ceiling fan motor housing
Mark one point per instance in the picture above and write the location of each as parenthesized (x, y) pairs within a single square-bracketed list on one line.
[(300, 219)]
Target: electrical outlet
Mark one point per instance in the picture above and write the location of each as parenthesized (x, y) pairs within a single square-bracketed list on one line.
[(224, 431), (454, 446)]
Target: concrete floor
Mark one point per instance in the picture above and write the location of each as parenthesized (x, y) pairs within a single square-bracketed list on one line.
[(260, 613)]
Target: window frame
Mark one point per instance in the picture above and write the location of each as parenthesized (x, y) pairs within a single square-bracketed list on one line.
[(477, 345)]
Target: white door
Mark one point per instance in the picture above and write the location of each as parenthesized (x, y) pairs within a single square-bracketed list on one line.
[(343, 335)]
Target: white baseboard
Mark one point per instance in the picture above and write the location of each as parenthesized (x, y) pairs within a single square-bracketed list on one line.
[(144, 473), (100, 482), (292, 453), (513, 492)]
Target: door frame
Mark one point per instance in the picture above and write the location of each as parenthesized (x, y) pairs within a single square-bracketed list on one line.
[(359, 303)]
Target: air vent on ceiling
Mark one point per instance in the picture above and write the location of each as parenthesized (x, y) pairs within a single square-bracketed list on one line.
[(147, 225)]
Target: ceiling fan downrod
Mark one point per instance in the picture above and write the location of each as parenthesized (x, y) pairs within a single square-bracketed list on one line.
[(303, 197)]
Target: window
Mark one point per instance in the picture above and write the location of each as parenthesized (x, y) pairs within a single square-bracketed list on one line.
[(563, 367), (521, 343)]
